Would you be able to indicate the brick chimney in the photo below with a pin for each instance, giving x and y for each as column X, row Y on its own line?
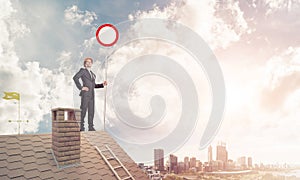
column 66, row 136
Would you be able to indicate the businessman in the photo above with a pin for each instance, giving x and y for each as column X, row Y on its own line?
column 87, row 92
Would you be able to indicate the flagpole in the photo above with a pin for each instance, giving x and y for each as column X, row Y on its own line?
column 16, row 96
column 106, row 59
column 19, row 119
column 105, row 92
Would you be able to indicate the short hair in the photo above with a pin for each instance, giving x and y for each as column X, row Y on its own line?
column 86, row 59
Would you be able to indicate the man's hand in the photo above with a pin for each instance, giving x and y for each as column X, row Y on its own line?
column 104, row 83
column 85, row 89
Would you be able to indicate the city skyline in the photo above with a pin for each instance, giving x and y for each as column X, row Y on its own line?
column 222, row 163
column 221, row 154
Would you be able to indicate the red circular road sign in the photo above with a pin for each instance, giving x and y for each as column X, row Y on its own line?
column 102, row 41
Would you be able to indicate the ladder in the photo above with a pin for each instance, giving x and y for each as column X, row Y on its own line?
column 116, row 168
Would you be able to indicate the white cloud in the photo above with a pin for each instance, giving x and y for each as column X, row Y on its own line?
column 75, row 15
column 40, row 88
column 279, row 5
column 282, row 77
column 218, row 27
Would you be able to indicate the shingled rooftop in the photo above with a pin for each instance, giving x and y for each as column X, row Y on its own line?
column 67, row 153
column 30, row 157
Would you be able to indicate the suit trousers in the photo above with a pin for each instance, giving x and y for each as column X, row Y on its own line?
column 87, row 104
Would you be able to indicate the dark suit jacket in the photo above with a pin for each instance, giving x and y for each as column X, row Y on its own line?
column 87, row 81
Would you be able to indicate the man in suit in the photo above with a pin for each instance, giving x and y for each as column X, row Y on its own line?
column 87, row 92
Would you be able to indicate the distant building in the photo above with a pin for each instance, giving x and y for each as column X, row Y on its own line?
column 261, row 166
column 230, row 165
column 222, row 154
column 249, row 162
column 199, row 165
column 181, row 167
column 214, row 165
column 242, row 162
column 210, row 154
column 141, row 165
column 193, row 162
column 207, row 167
column 173, row 164
column 159, row 159
column 186, row 163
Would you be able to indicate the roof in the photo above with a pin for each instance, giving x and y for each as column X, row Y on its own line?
column 30, row 157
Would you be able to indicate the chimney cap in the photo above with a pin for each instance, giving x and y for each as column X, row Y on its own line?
column 65, row 109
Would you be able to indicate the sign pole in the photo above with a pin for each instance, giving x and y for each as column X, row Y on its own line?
column 19, row 112
column 105, row 91
column 105, row 44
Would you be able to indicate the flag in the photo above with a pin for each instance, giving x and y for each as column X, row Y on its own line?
column 11, row 95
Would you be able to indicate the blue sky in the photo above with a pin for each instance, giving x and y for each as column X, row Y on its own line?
column 51, row 34
column 42, row 44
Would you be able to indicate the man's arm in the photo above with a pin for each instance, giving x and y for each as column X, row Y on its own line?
column 77, row 77
column 101, row 85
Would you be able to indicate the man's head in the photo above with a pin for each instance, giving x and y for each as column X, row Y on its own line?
column 88, row 62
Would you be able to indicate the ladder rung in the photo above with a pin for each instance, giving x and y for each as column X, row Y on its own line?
column 104, row 150
column 110, row 158
column 117, row 167
column 129, row 177
column 114, row 157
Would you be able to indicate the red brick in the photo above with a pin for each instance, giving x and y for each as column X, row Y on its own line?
column 68, row 148
column 67, row 153
column 63, row 139
column 65, row 129
column 66, row 158
column 72, row 134
column 69, row 162
column 65, row 124
column 63, row 144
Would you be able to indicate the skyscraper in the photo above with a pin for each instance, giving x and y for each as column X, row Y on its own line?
column 173, row 164
column 242, row 162
column 193, row 162
column 222, row 154
column 249, row 162
column 186, row 163
column 210, row 154
column 159, row 159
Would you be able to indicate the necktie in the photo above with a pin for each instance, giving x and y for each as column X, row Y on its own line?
column 91, row 74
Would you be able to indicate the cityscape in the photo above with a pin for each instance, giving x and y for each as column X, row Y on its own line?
column 219, row 166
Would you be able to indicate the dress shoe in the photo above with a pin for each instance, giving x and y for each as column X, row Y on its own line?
column 92, row 129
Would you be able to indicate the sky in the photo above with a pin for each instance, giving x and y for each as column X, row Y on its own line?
column 256, row 43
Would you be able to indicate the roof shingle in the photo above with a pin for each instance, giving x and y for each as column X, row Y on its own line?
column 30, row 157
